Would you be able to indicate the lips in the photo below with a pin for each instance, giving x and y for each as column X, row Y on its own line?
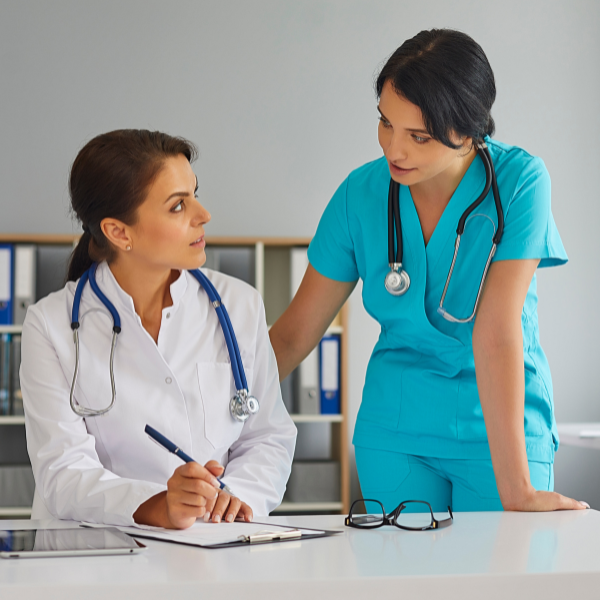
column 198, row 241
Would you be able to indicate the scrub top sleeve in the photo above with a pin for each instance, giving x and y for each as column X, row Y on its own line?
column 331, row 251
column 529, row 227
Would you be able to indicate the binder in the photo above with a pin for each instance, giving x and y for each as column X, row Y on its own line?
column 24, row 281
column 307, row 377
column 52, row 263
column 4, row 373
column 15, row 394
column 239, row 262
column 6, row 291
column 330, row 375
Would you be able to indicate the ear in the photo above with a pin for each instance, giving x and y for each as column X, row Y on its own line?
column 116, row 232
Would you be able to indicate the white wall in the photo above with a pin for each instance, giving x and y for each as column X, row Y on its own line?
column 278, row 96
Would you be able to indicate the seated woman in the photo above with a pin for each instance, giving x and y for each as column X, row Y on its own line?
column 134, row 193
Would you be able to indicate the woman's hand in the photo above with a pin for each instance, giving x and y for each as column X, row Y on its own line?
column 224, row 506
column 189, row 490
column 536, row 501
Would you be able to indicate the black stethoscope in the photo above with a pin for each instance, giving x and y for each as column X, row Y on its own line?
column 397, row 280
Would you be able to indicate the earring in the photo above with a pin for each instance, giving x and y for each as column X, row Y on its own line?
column 128, row 248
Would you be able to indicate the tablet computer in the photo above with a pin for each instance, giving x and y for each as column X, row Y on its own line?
column 77, row 541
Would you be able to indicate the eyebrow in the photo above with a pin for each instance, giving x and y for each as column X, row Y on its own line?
column 185, row 194
column 412, row 130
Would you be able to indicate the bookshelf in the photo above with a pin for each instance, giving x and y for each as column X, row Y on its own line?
column 271, row 277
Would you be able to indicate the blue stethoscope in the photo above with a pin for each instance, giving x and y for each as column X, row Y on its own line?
column 397, row 280
column 241, row 406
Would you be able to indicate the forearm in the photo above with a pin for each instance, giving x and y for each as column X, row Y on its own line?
column 501, row 385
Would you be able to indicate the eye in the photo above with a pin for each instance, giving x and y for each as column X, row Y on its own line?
column 178, row 207
column 385, row 123
column 420, row 140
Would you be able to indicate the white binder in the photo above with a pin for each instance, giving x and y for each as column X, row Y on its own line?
column 25, row 259
column 308, row 401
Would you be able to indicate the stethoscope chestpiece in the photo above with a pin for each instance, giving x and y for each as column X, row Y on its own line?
column 397, row 280
column 242, row 405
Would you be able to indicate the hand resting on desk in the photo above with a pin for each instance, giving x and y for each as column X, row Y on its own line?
column 192, row 490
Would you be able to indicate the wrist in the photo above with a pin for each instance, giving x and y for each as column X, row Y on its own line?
column 516, row 497
column 153, row 512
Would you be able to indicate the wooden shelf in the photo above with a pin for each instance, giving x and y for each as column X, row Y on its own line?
column 11, row 328
column 317, row 418
column 12, row 420
column 7, row 512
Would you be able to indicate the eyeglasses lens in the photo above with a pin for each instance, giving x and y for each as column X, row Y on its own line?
column 366, row 513
column 416, row 514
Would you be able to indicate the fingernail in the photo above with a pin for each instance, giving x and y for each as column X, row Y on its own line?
column 230, row 518
column 207, row 516
column 249, row 518
column 584, row 504
column 217, row 519
column 216, row 483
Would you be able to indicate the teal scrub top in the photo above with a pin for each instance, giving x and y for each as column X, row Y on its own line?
column 420, row 395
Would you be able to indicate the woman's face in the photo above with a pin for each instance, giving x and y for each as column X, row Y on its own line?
column 413, row 155
column 169, row 231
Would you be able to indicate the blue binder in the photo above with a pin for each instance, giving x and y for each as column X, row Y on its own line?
column 6, row 284
column 329, row 355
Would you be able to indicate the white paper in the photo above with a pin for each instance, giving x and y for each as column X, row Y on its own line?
column 207, row 534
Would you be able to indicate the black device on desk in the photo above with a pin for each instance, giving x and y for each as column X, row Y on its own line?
column 78, row 541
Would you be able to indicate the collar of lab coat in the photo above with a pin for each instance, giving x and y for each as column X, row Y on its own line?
column 123, row 301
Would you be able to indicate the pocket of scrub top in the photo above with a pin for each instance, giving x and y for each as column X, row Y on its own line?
column 216, row 389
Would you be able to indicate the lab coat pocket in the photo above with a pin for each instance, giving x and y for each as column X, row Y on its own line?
column 216, row 390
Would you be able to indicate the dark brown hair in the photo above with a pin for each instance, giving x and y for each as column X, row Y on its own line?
column 110, row 178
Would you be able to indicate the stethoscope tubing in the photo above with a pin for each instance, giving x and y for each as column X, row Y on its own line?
column 395, row 251
column 237, row 365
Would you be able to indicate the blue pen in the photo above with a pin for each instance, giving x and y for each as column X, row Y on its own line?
column 167, row 444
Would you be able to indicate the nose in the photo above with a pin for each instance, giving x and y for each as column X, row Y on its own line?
column 396, row 150
column 202, row 216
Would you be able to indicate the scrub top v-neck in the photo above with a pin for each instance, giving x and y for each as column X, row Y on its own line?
column 420, row 395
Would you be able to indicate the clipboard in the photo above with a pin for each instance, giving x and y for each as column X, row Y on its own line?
column 272, row 533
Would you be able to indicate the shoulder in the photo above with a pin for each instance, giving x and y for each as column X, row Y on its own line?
column 515, row 162
column 53, row 308
column 368, row 175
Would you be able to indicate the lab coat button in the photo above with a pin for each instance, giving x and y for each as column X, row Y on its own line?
column 168, row 315
column 168, row 380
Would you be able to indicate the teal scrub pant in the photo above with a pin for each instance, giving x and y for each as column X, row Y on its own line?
column 464, row 485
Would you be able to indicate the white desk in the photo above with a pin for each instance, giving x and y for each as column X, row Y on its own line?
column 570, row 435
column 484, row 556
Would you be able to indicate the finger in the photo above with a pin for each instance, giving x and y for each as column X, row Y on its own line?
column 220, row 507
column 210, row 504
column 233, row 509
column 193, row 470
column 189, row 499
column 197, row 486
column 245, row 513
column 214, row 467
column 566, row 503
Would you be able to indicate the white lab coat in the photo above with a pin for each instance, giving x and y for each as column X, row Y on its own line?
column 100, row 469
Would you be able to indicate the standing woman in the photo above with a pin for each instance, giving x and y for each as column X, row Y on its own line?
column 134, row 192
column 457, row 406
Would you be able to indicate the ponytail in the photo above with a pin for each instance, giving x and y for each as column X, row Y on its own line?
column 80, row 260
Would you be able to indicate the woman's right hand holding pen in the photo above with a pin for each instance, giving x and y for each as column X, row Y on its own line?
column 189, row 490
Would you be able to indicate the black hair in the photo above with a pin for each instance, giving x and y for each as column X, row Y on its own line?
column 447, row 75
column 110, row 177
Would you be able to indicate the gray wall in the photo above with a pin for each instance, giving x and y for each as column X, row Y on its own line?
column 278, row 96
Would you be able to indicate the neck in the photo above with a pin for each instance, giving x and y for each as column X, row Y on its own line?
column 439, row 190
column 148, row 286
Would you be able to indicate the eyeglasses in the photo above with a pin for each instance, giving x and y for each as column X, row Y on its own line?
column 370, row 514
